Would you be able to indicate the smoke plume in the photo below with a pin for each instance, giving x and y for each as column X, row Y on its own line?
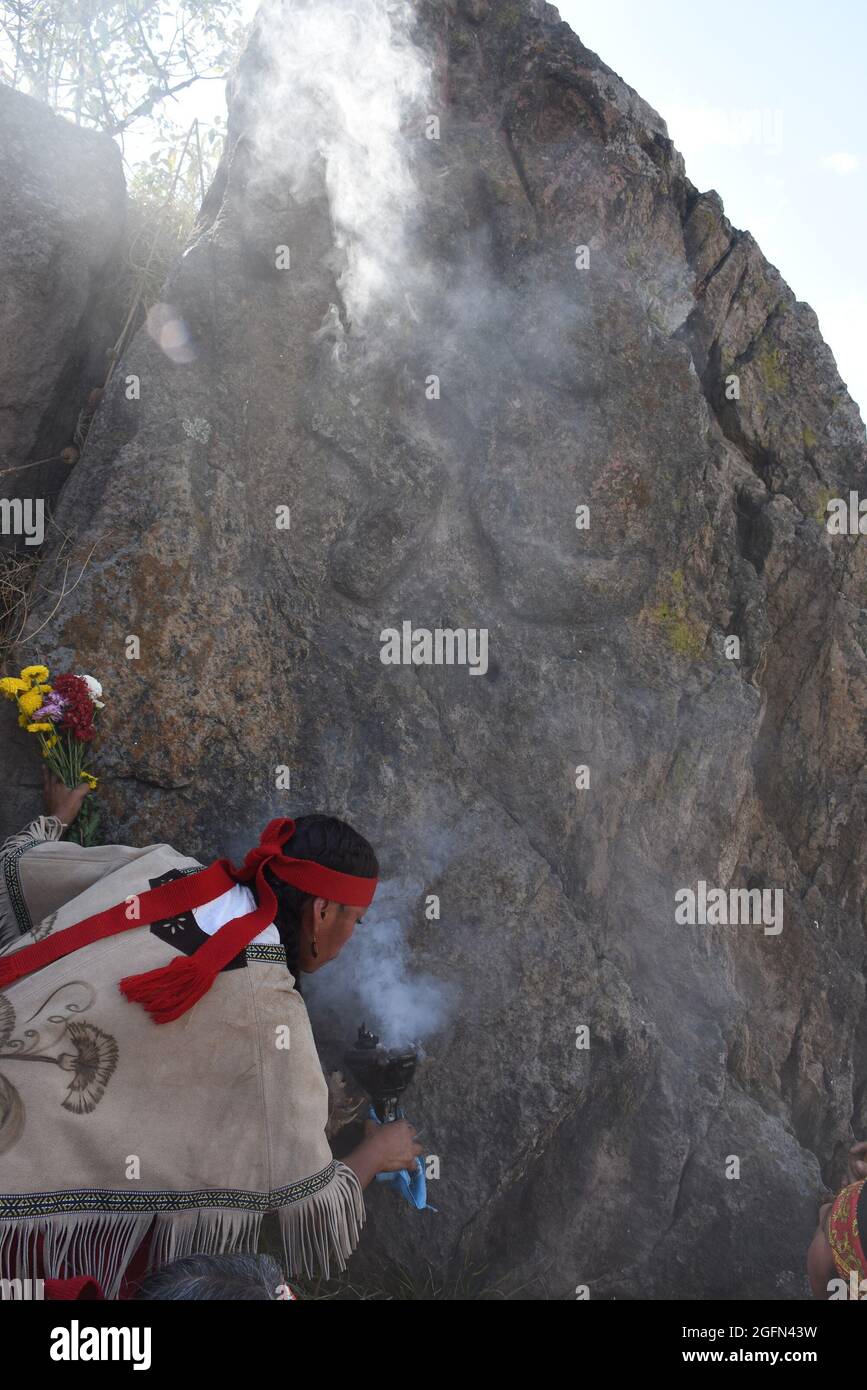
column 346, row 83
column 373, row 979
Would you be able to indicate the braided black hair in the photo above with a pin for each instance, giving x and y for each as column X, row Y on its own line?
column 330, row 842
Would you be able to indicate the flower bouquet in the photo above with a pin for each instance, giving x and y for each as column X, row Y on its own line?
column 61, row 716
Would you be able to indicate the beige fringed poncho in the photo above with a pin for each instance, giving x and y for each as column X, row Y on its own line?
column 114, row 1130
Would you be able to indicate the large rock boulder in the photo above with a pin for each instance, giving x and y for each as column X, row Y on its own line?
column 305, row 381
column 62, row 218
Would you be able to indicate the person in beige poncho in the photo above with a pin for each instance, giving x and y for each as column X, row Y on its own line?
column 160, row 1090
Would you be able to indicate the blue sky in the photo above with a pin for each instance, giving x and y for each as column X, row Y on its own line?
column 767, row 102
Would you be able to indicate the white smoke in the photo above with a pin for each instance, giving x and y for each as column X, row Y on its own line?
column 372, row 980
column 347, row 82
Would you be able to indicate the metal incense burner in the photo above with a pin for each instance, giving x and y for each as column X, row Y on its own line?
column 383, row 1072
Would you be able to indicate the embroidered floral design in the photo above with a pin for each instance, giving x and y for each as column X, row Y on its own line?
column 45, row 1028
column 92, row 1064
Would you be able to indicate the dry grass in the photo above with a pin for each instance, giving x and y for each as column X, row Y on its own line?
column 390, row 1281
column 393, row 1282
column 17, row 576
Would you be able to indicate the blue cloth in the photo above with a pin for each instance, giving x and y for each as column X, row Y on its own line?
column 412, row 1186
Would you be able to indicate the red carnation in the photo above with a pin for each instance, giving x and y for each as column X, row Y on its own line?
column 78, row 716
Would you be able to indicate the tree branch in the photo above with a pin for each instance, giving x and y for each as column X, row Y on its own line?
column 156, row 95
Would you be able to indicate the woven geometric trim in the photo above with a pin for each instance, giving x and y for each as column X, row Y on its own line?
column 104, row 1201
column 13, row 888
column 268, row 950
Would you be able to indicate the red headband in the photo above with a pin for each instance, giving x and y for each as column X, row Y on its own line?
column 168, row 992
column 305, row 874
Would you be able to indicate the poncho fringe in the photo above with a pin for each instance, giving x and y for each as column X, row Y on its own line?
column 323, row 1229
column 318, row 1233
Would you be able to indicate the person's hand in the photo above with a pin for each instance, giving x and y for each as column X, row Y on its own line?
column 392, row 1146
column 858, row 1162
column 385, row 1148
column 58, row 800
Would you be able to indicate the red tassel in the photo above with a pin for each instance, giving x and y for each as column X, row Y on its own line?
column 171, row 990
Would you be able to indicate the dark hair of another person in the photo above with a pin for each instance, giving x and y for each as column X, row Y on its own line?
column 330, row 842
column 226, row 1278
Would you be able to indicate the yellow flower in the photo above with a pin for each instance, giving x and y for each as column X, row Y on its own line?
column 11, row 687
column 91, row 781
column 29, row 702
column 48, row 744
column 34, row 674
column 40, row 728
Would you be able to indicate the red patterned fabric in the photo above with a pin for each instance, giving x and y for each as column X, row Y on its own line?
column 844, row 1236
